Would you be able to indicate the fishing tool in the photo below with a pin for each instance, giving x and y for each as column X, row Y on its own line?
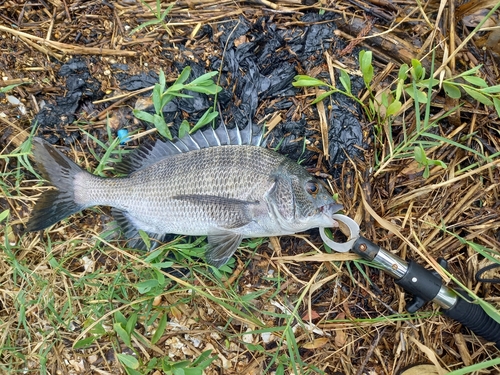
column 424, row 285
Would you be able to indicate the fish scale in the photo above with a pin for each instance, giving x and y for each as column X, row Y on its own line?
column 198, row 185
column 150, row 193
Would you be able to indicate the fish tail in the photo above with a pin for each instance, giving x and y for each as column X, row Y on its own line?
column 60, row 171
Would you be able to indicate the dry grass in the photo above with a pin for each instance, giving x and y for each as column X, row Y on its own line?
column 275, row 309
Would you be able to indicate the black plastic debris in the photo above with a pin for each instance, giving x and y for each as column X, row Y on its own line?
column 263, row 69
column 82, row 89
column 138, row 81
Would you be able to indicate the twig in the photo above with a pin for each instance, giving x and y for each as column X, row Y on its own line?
column 69, row 48
column 370, row 351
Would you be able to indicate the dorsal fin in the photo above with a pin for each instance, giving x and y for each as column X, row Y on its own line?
column 151, row 153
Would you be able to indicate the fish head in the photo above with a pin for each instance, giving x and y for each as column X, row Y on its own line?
column 300, row 201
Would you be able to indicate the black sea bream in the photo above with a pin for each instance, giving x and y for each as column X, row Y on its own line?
column 220, row 183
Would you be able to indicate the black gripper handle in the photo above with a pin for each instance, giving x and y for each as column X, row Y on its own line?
column 476, row 319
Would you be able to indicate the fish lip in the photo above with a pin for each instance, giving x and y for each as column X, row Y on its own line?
column 330, row 209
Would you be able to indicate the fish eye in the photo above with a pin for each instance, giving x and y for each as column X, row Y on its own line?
column 312, row 187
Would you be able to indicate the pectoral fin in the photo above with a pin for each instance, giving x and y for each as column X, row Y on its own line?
column 221, row 246
column 226, row 213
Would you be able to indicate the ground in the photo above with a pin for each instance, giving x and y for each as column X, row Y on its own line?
column 422, row 180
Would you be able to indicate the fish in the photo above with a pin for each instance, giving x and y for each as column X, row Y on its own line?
column 221, row 183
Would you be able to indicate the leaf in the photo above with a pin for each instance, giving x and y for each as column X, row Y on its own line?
column 451, row 90
column 183, row 76
column 157, row 98
column 160, row 124
column 429, row 81
column 306, row 81
column 211, row 89
column 426, row 173
column 144, row 116
column 418, row 72
column 161, row 265
column 10, row 87
column 496, row 102
column 478, row 96
column 491, row 90
column 207, row 117
column 86, row 342
column 120, row 318
column 145, row 24
column 255, row 347
column 470, row 72
column 98, row 330
column 345, row 80
column 403, row 72
column 477, row 81
column 393, row 108
column 453, row 143
column 253, row 295
column 417, row 95
column 365, row 64
column 133, row 372
column 183, row 129
column 153, row 255
column 162, row 324
column 160, row 277
column 144, row 235
column 323, row 96
column 178, row 94
column 123, row 334
column 420, row 156
column 438, row 163
column 371, row 105
column 489, row 309
column 131, row 323
column 166, row 11
column 385, row 99
column 3, row 215
column 128, row 360
column 176, row 87
column 146, row 286
column 399, row 90
column 162, row 80
column 203, row 78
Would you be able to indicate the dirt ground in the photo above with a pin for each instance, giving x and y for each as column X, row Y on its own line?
column 73, row 301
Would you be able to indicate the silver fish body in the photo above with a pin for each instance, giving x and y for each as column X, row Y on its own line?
column 202, row 186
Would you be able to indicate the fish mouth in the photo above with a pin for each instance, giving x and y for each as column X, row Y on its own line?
column 330, row 209
column 327, row 211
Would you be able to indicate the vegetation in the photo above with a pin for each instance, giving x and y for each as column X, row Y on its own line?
column 163, row 95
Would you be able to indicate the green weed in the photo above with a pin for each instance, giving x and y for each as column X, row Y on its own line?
column 162, row 95
column 415, row 83
column 160, row 16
